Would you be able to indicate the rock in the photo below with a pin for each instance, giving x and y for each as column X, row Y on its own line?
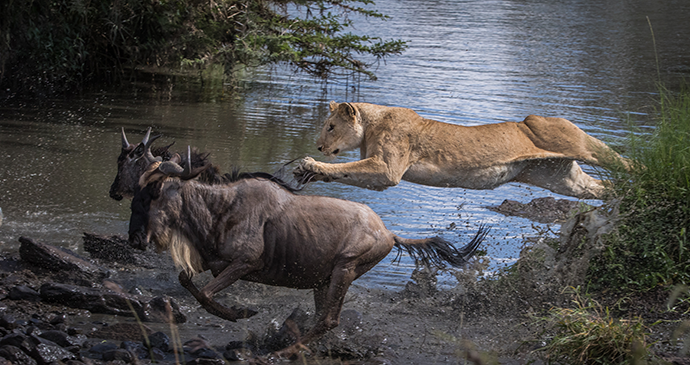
column 8, row 322
column 51, row 353
column 116, row 249
column 58, row 259
column 63, row 339
column 23, row 292
column 542, row 210
column 92, row 299
column 119, row 354
column 160, row 341
column 16, row 355
column 164, row 309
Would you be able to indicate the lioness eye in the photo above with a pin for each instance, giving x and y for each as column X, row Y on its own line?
column 330, row 127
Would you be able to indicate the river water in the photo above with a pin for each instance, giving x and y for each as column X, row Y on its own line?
column 468, row 63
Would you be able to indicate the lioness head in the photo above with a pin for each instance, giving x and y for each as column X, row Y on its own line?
column 342, row 130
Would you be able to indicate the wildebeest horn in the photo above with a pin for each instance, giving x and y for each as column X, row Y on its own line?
column 147, row 148
column 146, row 137
column 125, row 144
column 170, row 168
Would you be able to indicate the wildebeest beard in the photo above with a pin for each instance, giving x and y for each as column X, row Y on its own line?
column 138, row 220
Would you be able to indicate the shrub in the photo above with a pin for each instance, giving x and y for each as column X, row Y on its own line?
column 56, row 45
column 650, row 247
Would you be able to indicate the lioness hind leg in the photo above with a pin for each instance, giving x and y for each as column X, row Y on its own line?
column 562, row 177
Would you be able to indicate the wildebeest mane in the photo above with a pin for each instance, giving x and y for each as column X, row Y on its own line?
column 141, row 203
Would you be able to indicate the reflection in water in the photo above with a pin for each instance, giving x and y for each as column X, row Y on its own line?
column 469, row 62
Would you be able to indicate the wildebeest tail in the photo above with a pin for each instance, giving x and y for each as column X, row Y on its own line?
column 438, row 252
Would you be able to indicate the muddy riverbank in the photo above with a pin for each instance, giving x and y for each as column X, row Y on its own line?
column 483, row 322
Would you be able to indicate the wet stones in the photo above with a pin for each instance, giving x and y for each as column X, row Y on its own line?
column 58, row 259
column 542, row 210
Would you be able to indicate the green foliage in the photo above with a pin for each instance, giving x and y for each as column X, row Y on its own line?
column 588, row 334
column 56, row 45
column 651, row 247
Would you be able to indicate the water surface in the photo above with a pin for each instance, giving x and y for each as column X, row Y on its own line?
column 468, row 63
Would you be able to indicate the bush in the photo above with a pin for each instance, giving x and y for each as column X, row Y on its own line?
column 650, row 247
column 56, row 45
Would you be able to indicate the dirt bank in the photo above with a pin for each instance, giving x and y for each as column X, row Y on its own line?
column 480, row 321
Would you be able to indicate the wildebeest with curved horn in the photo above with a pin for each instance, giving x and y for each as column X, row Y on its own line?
column 257, row 229
column 131, row 165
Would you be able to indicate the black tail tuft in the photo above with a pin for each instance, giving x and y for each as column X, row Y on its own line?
column 438, row 252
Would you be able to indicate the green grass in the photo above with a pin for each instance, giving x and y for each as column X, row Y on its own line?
column 650, row 247
column 588, row 334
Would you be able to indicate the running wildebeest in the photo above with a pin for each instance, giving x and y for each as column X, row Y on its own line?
column 131, row 165
column 256, row 228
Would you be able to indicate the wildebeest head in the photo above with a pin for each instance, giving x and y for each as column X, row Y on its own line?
column 130, row 165
column 148, row 189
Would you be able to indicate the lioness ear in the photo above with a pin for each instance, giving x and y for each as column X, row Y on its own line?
column 333, row 105
column 348, row 109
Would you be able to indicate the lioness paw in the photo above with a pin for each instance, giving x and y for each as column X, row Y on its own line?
column 307, row 170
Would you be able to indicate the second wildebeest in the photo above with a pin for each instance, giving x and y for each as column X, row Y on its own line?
column 256, row 229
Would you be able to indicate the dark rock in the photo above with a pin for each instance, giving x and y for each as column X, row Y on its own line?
column 109, row 249
column 46, row 353
column 58, row 319
column 118, row 354
column 23, row 292
column 160, row 341
column 8, row 322
column 116, row 249
column 94, row 300
column 63, row 339
column 102, row 347
column 164, row 309
column 207, row 354
column 542, row 210
column 59, row 259
column 16, row 355
column 137, row 348
column 18, row 340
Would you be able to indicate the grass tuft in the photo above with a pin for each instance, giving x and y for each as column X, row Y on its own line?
column 588, row 334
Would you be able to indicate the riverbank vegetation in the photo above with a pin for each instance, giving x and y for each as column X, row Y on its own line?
column 646, row 257
column 51, row 46
column 650, row 248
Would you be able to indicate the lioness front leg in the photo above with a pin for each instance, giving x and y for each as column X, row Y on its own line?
column 371, row 173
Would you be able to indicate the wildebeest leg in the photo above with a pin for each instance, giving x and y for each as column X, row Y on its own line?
column 329, row 302
column 205, row 297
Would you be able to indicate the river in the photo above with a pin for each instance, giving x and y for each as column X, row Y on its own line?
column 468, row 63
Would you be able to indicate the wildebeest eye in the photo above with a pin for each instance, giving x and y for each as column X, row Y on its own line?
column 331, row 127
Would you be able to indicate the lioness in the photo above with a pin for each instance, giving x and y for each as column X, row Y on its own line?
column 397, row 143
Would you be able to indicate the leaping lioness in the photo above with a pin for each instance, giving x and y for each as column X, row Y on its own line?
column 397, row 143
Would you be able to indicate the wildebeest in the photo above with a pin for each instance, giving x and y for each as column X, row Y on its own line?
column 256, row 228
column 131, row 165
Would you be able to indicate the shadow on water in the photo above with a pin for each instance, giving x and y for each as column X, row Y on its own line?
column 469, row 62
